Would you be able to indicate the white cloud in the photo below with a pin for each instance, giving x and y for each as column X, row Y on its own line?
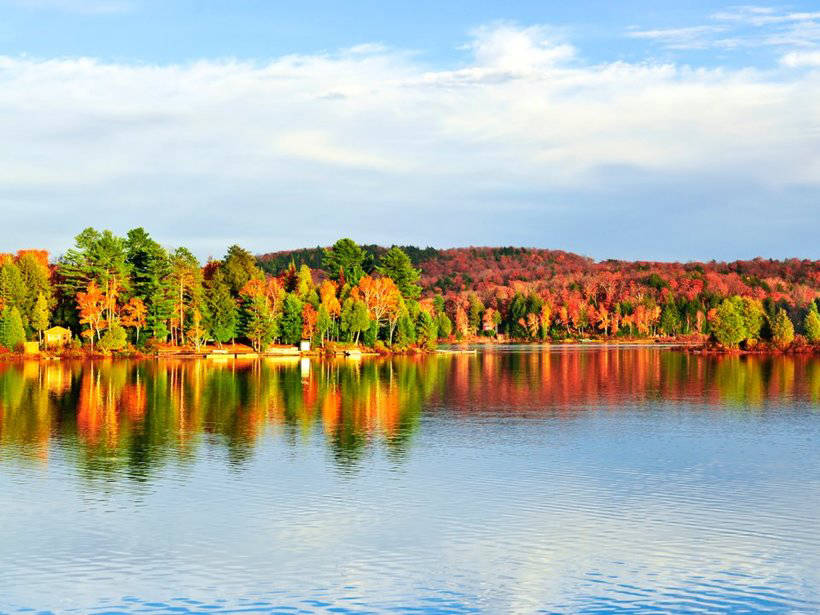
column 741, row 27
column 762, row 16
column 694, row 37
column 288, row 152
column 517, row 50
column 797, row 59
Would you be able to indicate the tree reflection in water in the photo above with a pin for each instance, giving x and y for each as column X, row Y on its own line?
column 134, row 416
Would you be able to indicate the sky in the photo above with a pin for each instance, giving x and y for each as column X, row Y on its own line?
column 637, row 130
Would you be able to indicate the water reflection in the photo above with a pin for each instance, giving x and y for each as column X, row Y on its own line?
column 136, row 415
column 568, row 480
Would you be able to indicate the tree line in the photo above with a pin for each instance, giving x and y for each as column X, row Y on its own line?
column 114, row 292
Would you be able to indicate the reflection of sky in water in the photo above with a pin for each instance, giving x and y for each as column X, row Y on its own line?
column 647, row 481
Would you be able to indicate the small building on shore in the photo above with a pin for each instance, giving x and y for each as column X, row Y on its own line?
column 56, row 337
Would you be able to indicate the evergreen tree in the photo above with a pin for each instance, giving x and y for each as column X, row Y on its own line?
column 427, row 331
column 670, row 319
column 395, row 264
column 445, row 327
column 12, row 286
column 345, row 261
column 517, row 315
column 12, row 333
column 438, row 304
column 405, row 332
column 291, row 322
column 98, row 256
column 239, row 267
column 151, row 280
column 222, row 313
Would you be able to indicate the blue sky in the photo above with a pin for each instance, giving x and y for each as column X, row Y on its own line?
column 630, row 130
column 182, row 30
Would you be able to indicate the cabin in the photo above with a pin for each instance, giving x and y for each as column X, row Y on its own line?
column 304, row 346
column 56, row 337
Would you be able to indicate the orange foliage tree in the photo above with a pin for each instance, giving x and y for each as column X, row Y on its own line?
column 380, row 295
column 133, row 314
column 309, row 318
column 91, row 305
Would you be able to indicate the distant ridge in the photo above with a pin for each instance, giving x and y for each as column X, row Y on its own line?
column 454, row 269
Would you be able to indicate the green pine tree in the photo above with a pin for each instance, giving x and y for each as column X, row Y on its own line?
column 12, row 332
column 291, row 322
column 222, row 314
column 395, row 264
column 345, row 261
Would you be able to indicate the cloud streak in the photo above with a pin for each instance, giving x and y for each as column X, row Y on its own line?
column 740, row 27
column 523, row 143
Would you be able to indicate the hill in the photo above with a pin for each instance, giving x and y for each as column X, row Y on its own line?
column 473, row 268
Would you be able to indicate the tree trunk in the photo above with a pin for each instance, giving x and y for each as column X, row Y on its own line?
column 181, row 314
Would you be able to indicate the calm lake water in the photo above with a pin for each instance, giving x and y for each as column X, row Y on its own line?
column 611, row 480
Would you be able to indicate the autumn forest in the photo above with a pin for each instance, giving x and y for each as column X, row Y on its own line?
column 111, row 294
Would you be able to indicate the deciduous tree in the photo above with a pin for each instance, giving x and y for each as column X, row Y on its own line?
column 782, row 329
column 39, row 316
column 91, row 305
column 133, row 315
column 728, row 326
column 812, row 324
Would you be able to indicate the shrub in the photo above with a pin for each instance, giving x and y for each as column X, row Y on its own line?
column 115, row 338
column 152, row 344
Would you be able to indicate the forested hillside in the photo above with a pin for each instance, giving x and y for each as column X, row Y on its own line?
column 459, row 269
column 115, row 293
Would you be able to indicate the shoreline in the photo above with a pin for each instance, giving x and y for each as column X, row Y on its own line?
column 472, row 346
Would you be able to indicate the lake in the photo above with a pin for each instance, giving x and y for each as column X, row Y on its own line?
column 515, row 480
